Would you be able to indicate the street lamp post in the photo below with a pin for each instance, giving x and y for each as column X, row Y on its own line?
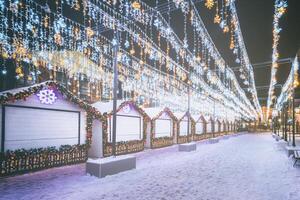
column 188, row 112
column 214, row 127
column 293, row 113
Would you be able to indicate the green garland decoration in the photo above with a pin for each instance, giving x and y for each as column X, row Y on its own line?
column 25, row 160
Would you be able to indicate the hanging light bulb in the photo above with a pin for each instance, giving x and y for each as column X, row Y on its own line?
column 209, row 4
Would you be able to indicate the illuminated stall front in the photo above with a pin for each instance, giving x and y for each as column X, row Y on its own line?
column 161, row 127
column 130, row 130
column 182, row 135
column 200, row 127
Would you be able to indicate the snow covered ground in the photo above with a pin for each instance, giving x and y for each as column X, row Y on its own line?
column 247, row 167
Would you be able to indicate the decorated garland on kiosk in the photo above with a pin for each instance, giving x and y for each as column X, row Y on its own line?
column 92, row 113
column 163, row 141
column 24, row 160
column 185, row 138
column 198, row 137
column 124, row 147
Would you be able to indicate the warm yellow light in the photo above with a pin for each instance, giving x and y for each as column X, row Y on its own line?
column 226, row 29
column 209, row 4
column 132, row 51
column 136, row 5
column 281, row 10
column 217, row 19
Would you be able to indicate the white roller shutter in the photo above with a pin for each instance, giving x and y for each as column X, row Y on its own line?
column 128, row 128
column 34, row 127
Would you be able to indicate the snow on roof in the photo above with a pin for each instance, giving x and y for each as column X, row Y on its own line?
column 153, row 112
column 179, row 115
column 207, row 118
column 106, row 107
column 197, row 117
column 17, row 90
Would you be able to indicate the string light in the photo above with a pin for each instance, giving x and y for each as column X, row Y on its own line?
column 209, row 4
column 280, row 9
column 83, row 54
column 291, row 83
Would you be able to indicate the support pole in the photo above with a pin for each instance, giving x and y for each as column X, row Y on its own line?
column 285, row 117
column 115, row 89
column 293, row 112
column 214, row 127
column 188, row 112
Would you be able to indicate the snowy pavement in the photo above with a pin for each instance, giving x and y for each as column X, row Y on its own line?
column 247, row 167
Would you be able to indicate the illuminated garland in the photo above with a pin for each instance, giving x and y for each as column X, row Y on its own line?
column 161, row 25
column 289, row 86
column 26, row 160
column 202, row 32
column 244, row 56
column 280, row 9
column 185, row 138
column 202, row 135
column 65, row 34
column 162, row 141
column 227, row 10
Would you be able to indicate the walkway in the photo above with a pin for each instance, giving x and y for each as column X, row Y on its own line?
column 247, row 167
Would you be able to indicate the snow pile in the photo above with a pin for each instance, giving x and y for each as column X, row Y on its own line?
column 252, row 167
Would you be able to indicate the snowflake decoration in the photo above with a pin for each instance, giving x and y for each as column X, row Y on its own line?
column 47, row 96
column 126, row 109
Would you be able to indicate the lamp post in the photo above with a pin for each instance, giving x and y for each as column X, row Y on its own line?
column 188, row 111
column 214, row 127
column 115, row 44
column 293, row 113
column 284, row 121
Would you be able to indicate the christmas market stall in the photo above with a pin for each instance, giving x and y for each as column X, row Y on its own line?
column 200, row 127
column 130, row 128
column 44, row 126
column 161, row 128
column 184, row 132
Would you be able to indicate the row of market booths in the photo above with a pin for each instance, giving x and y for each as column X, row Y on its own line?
column 139, row 128
column 45, row 125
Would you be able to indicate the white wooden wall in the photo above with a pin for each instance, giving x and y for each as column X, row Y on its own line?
column 96, row 149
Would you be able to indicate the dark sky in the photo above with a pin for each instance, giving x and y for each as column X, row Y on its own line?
column 256, row 18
